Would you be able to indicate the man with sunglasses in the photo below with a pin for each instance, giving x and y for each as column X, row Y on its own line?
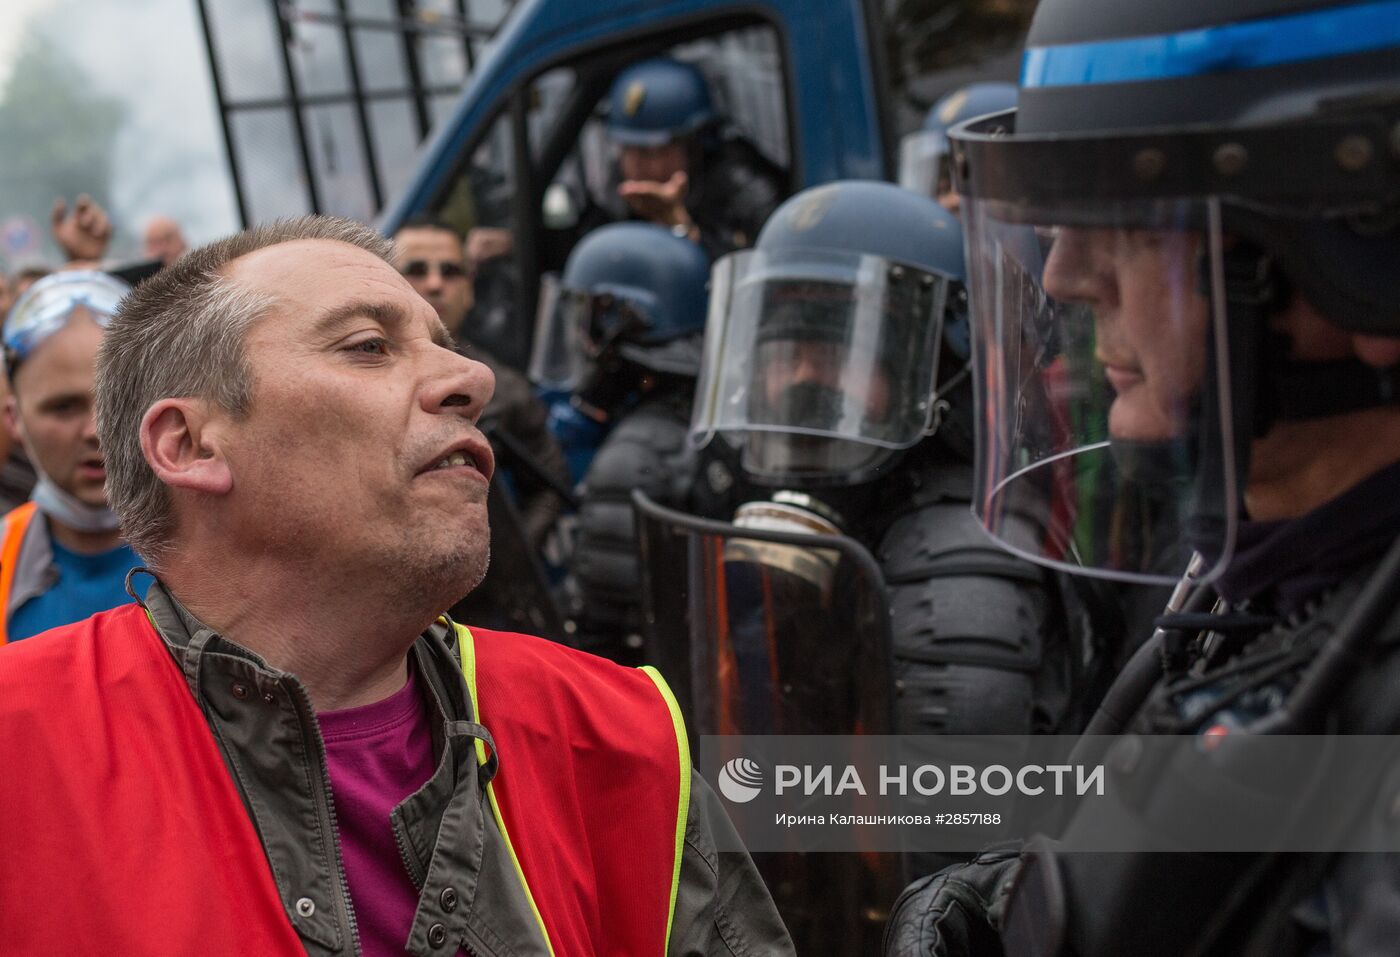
column 62, row 557
column 432, row 259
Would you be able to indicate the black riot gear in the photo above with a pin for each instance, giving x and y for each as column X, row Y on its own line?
column 1203, row 201
column 834, row 404
column 621, row 330
column 835, row 401
column 1251, row 171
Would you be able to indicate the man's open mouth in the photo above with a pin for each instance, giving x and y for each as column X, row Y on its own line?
column 457, row 459
column 469, row 454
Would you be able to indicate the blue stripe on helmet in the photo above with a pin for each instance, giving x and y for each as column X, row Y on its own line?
column 1276, row 41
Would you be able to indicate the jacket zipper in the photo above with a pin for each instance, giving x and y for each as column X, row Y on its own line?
column 410, row 862
column 413, row 872
column 478, row 947
column 326, row 804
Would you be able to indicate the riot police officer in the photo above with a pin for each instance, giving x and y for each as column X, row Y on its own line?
column 622, row 332
column 1208, row 333
column 681, row 167
column 925, row 160
column 845, row 585
column 1120, row 613
column 836, row 399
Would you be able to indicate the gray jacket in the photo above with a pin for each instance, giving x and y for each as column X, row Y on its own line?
column 267, row 732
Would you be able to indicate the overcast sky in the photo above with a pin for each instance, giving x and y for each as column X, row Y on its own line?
column 149, row 55
column 170, row 155
column 13, row 20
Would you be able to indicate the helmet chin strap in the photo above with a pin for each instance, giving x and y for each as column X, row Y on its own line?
column 1290, row 390
column 1317, row 390
column 1251, row 291
column 1267, row 386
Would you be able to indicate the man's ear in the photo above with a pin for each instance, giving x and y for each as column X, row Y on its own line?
column 181, row 443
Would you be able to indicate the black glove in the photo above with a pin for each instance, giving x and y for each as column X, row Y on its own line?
column 955, row 912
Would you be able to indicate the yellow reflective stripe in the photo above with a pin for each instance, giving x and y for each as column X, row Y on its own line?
column 683, row 805
column 467, row 646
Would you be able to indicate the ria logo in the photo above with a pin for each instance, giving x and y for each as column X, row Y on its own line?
column 740, row 780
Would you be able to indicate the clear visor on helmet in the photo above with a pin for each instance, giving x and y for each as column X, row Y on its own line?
column 574, row 327
column 1104, row 430
column 925, row 165
column 824, row 360
column 46, row 306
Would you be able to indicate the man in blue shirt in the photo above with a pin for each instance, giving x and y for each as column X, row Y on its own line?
column 62, row 557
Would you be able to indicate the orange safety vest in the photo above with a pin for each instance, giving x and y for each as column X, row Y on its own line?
column 121, row 831
column 16, row 524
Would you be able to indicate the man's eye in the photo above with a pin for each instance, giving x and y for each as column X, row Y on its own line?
column 377, row 346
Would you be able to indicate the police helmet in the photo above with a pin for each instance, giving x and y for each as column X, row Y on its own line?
column 823, row 347
column 657, row 101
column 924, row 162
column 632, row 290
column 1173, row 177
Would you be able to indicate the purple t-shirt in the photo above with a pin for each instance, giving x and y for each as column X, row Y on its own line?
column 377, row 755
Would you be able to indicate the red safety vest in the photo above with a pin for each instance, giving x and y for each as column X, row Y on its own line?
column 121, row 831
column 16, row 524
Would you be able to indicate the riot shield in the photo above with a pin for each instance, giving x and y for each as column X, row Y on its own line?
column 515, row 594
column 764, row 632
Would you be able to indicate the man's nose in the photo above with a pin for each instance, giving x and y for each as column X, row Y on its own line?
column 1071, row 272
column 808, row 366
column 461, row 386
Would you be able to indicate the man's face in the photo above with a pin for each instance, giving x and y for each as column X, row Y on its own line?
column 51, row 411
column 163, row 240
column 1149, row 321
column 653, row 164
column 790, row 367
column 358, row 400
column 433, row 262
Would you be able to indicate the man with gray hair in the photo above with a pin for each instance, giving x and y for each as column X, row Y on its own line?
column 295, row 751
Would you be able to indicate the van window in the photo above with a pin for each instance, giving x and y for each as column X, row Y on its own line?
column 743, row 68
column 523, row 217
column 481, row 208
